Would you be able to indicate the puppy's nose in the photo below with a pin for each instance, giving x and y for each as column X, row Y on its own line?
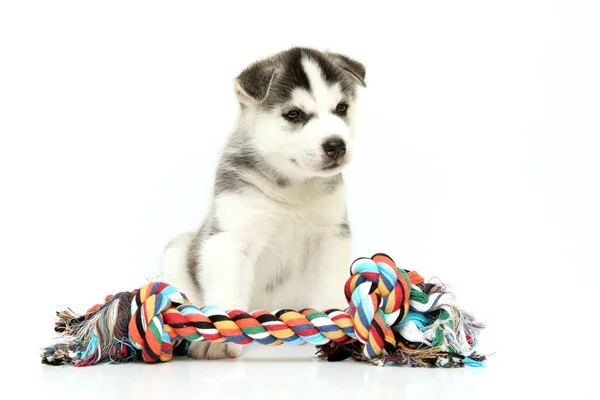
column 334, row 148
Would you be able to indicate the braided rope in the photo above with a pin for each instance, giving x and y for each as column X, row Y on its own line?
column 155, row 324
column 377, row 293
column 152, row 320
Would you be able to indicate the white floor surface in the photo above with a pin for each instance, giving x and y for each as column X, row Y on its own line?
column 293, row 373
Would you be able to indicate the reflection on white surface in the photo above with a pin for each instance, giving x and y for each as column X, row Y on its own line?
column 293, row 373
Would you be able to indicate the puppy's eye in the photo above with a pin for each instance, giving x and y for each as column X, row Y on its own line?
column 292, row 114
column 341, row 109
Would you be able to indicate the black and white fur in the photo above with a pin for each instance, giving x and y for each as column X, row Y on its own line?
column 277, row 233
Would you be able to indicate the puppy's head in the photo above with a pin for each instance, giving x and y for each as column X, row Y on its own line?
column 299, row 108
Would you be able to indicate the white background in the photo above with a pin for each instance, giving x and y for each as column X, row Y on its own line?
column 477, row 163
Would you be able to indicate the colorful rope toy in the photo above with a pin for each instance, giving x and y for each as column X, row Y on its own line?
column 393, row 317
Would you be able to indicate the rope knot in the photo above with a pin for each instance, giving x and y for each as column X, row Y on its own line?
column 147, row 329
column 378, row 295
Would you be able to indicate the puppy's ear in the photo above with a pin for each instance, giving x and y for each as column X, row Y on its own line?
column 355, row 68
column 252, row 85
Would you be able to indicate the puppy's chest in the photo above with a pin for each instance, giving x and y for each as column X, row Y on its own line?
column 293, row 236
column 294, row 239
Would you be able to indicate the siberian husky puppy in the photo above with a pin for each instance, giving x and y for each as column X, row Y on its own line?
column 276, row 234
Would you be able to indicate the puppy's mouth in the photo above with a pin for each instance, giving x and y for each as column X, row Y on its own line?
column 316, row 169
column 332, row 166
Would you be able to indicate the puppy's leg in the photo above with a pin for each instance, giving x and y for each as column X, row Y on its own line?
column 226, row 276
column 226, row 264
column 328, row 271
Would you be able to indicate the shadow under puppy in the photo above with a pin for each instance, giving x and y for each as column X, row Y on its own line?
column 277, row 233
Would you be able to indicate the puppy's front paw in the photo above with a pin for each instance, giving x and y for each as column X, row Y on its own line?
column 214, row 351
